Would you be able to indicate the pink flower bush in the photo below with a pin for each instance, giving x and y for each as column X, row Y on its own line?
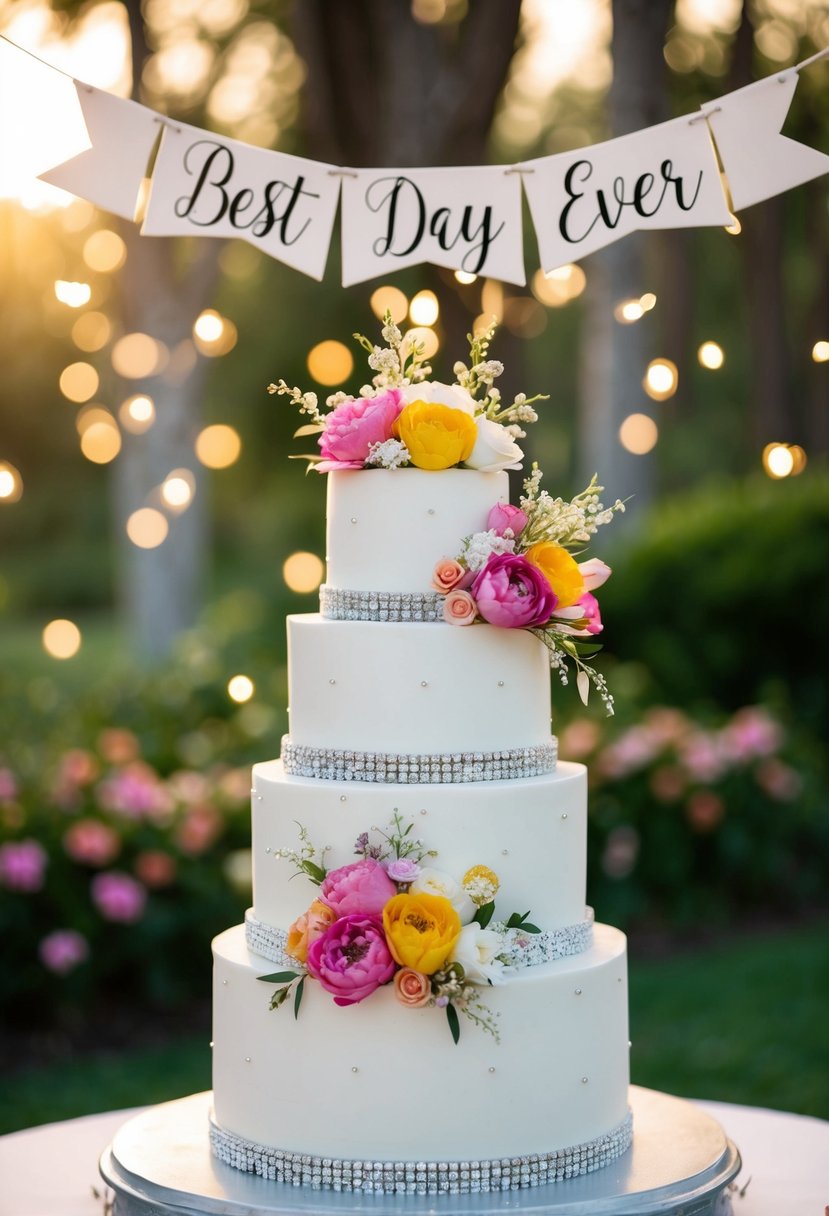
column 91, row 842
column 135, row 792
column 354, row 426
column 504, row 516
column 351, row 959
column 8, row 785
column 63, row 950
column 361, row 887
column 156, row 868
column 118, row 897
column 22, row 865
column 512, row 593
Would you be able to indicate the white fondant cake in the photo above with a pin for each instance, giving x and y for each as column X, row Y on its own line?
column 444, row 734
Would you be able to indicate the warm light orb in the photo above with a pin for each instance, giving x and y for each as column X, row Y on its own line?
column 73, row 295
column 11, row 483
column 798, row 458
column 240, row 689
column 218, row 446
column 178, row 489
column 647, row 301
column 628, row 311
column 101, row 442
column 711, row 355
column 147, row 528
column 91, row 414
column 661, row 379
column 638, row 434
column 330, row 362
column 389, row 299
column 820, row 352
column 465, row 277
column 79, row 382
column 104, row 251
column 137, row 414
column 91, row 331
column 208, row 326
column 138, row 355
column 554, row 288
column 778, row 460
column 303, row 572
column 61, row 639
column 427, row 339
column 424, row 308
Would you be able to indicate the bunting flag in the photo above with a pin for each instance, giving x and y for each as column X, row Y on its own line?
column 123, row 134
column 32, row 94
column 463, row 219
column 758, row 161
column 204, row 184
column 663, row 177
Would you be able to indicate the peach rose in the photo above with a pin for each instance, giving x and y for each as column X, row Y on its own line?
column 412, row 988
column 307, row 928
column 447, row 575
column 459, row 608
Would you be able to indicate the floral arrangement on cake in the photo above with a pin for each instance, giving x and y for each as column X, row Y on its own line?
column 521, row 572
column 403, row 419
column 391, row 918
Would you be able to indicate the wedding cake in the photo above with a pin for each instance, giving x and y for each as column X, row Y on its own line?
column 419, row 1000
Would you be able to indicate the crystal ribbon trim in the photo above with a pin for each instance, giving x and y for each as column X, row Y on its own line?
column 340, row 604
column 523, row 949
column 420, row 1177
column 334, row 764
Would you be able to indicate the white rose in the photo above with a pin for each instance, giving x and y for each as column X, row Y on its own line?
column 434, row 392
column 494, row 449
column 435, row 882
column 476, row 950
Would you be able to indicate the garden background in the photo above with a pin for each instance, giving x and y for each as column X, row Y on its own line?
column 154, row 533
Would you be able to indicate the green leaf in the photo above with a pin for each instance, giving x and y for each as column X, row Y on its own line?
column 529, row 927
column 454, row 1022
column 484, row 914
column 278, row 997
column 519, row 921
column 315, row 873
column 279, row 977
column 298, row 996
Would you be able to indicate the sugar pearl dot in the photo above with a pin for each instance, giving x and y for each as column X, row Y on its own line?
column 584, row 1080
column 500, row 683
column 431, row 511
column 564, row 816
column 268, row 849
column 424, row 683
column 343, row 798
column 354, row 519
column 505, row 852
column 424, row 812
column 210, row 1043
column 224, row 983
column 578, row 992
column 332, row 681
column 491, row 1068
column 247, row 1059
column 354, row 1068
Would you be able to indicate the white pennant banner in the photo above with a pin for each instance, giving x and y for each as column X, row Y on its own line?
column 110, row 174
column 206, row 185
column 663, row 177
column 759, row 162
column 460, row 218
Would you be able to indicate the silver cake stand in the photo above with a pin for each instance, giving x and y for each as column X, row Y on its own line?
column 681, row 1162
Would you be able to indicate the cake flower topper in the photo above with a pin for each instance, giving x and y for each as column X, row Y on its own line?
column 391, row 918
column 403, row 419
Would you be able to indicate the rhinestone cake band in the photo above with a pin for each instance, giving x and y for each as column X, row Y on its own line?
column 339, row 604
column 333, row 764
column 420, row 1177
column 521, row 948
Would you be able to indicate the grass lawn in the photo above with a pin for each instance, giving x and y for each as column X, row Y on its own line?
column 743, row 1022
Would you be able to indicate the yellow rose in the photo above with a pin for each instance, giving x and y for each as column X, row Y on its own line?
column 436, row 436
column 421, row 931
column 560, row 570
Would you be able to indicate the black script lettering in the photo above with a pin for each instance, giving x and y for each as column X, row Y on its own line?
column 438, row 228
column 610, row 213
column 383, row 244
column 269, row 216
column 219, row 156
column 399, row 243
column 667, row 171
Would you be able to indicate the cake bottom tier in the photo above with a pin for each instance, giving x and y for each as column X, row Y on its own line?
column 380, row 1082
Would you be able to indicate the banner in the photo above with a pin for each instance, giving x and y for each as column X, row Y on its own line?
column 663, row 177
column 123, row 135
column 758, row 161
column 206, row 185
column 463, row 219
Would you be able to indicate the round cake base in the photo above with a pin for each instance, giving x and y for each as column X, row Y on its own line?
column 160, row 1164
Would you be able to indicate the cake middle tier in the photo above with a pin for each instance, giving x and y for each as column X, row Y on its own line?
column 416, row 688
column 532, row 833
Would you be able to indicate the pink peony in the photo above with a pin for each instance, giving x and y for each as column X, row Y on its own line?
column 351, row 959
column 594, row 572
column 118, row 897
column 22, row 864
column 403, row 870
column 504, row 516
column 512, row 593
column 751, row 732
column 353, row 426
column 448, row 574
column 459, row 608
column 90, row 842
column 135, row 792
column 361, row 887
column 62, row 950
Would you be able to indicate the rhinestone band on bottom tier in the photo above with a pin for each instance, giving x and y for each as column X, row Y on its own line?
column 420, row 1177
column 335, row 764
column 340, row 604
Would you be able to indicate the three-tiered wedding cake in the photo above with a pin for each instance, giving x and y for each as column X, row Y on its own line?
column 428, row 1040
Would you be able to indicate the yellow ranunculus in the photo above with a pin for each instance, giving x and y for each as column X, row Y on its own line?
column 437, row 436
column 421, row 931
column 560, row 570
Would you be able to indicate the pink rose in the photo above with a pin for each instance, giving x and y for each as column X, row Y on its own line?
column 504, row 516
column 412, row 988
column 22, row 865
column 351, row 959
column 353, row 426
column 361, row 887
column 512, row 593
column 92, row 843
column 118, row 897
column 448, row 574
column 403, row 870
column 459, row 608
column 594, row 572
column 62, row 950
